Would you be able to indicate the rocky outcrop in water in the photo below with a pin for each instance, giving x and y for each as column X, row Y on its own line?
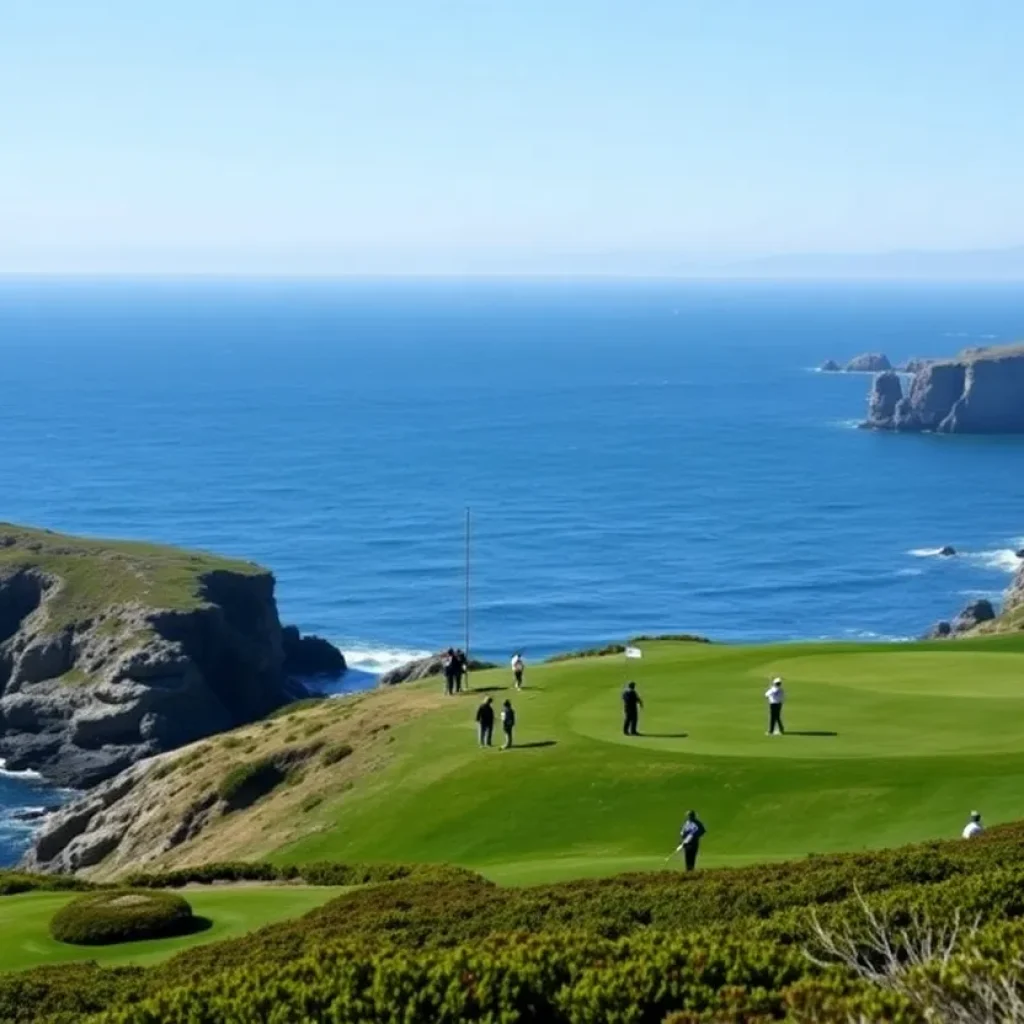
column 110, row 653
column 886, row 395
column 975, row 614
column 424, row 668
column 870, row 362
column 829, row 366
column 979, row 392
column 310, row 656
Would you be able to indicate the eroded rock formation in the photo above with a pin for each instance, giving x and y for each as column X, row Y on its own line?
column 112, row 654
column 979, row 392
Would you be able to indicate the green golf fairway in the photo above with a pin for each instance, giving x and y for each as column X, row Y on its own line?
column 25, row 937
column 887, row 744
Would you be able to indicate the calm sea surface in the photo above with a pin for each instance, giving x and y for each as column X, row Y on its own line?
column 638, row 456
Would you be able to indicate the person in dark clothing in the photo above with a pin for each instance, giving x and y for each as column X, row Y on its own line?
column 485, row 721
column 448, row 666
column 690, row 835
column 508, row 723
column 460, row 669
column 631, row 705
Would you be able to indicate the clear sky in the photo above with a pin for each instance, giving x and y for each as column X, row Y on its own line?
column 422, row 135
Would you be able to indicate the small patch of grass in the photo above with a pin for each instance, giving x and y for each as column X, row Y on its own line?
column 335, row 752
column 295, row 707
column 74, row 677
column 246, row 783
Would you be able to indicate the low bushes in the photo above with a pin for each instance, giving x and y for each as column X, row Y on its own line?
column 332, row 873
column 335, row 752
column 13, row 882
column 121, row 915
column 441, row 944
column 246, row 783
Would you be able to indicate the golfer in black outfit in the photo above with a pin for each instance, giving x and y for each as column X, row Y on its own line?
column 631, row 705
column 485, row 722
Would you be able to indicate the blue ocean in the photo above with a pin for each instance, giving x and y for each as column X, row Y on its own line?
column 637, row 456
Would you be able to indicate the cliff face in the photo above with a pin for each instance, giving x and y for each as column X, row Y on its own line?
column 111, row 653
column 980, row 392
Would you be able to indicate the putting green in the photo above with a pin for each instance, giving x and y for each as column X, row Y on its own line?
column 855, row 706
column 25, row 938
column 887, row 745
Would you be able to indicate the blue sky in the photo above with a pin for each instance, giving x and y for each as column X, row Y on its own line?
column 421, row 136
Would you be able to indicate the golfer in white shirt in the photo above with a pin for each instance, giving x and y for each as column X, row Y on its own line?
column 776, row 696
column 974, row 827
column 518, row 667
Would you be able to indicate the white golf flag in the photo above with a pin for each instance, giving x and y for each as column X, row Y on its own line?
column 634, row 652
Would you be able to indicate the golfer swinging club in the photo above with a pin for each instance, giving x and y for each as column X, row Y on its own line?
column 690, row 835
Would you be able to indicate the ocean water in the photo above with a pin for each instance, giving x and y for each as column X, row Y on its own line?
column 638, row 456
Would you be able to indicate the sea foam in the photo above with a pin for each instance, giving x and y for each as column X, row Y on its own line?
column 28, row 775
column 378, row 660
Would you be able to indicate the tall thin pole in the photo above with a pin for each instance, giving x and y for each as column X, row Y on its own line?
column 468, row 529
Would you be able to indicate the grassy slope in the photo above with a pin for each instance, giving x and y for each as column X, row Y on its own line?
column 25, row 940
column 925, row 733
column 99, row 573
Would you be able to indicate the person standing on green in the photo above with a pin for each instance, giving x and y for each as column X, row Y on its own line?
column 508, row 723
column 485, row 721
column 631, row 705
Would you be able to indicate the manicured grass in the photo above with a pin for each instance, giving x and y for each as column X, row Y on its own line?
column 25, row 939
column 887, row 745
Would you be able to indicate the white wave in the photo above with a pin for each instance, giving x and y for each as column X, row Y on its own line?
column 378, row 660
column 847, row 424
column 867, row 634
column 981, row 595
column 1001, row 560
column 910, row 572
column 28, row 775
column 925, row 552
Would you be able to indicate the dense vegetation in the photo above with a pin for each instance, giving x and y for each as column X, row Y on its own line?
column 794, row 941
column 122, row 915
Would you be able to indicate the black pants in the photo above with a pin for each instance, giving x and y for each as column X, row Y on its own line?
column 458, row 682
column 507, row 730
column 486, row 733
column 775, row 718
column 690, row 855
column 449, row 683
column 519, row 679
column 631, row 722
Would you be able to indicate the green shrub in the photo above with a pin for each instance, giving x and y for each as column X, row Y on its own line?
column 204, row 874
column 14, row 882
column 335, row 752
column 590, row 652
column 434, row 943
column 246, row 783
column 121, row 915
column 680, row 638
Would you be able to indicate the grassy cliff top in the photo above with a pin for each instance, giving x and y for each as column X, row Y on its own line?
column 99, row 573
column 987, row 352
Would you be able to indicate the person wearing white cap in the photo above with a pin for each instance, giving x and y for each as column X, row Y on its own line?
column 974, row 827
column 776, row 697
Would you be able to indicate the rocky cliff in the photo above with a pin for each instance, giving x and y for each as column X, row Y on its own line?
column 979, row 392
column 112, row 652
